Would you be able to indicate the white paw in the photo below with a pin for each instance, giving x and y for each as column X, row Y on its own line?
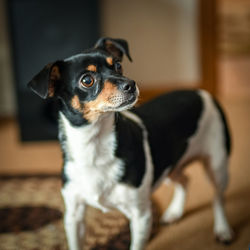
column 224, row 236
column 171, row 216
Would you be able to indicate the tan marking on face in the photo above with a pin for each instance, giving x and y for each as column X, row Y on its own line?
column 109, row 61
column 75, row 103
column 92, row 67
column 93, row 109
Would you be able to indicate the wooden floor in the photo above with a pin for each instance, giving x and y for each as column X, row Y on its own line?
column 17, row 158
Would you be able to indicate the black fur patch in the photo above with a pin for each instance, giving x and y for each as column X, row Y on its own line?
column 170, row 120
column 130, row 149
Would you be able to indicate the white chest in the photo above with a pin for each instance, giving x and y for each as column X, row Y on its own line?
column 92, row 167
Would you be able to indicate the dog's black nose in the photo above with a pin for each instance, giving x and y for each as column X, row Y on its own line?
column 128, row 87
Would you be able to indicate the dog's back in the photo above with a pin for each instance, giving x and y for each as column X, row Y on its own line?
column 176, row 117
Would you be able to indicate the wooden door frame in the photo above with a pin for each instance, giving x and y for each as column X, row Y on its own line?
column 208, row 45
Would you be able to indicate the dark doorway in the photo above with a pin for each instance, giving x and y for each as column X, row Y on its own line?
column 44, row 31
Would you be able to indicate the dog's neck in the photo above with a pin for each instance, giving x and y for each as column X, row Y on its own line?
column 87, row 141
column 103, row 125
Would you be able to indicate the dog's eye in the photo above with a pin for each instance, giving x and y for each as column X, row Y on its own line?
column 118, row 67
column 87, row 81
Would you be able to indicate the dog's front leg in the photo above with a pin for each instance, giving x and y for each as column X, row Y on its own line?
column 74, row 221
column 140, row 227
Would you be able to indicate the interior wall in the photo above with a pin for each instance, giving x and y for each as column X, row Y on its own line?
column 7, row 103
column 163, row 39
column 234, row 48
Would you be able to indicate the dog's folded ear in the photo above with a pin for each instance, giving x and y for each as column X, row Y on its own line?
column 116, row 47
column 44, row 83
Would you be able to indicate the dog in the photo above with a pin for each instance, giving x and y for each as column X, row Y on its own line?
column 116, row 154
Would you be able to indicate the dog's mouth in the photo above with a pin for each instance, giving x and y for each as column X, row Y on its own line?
column 124, row 101
column 130, row 101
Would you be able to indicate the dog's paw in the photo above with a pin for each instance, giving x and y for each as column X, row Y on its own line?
column 224, row 236
column 171, row 216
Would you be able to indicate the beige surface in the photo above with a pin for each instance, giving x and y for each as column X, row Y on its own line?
column 26, row 158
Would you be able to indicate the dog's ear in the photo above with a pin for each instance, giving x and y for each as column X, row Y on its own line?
column 116, row 47
column 44, row 83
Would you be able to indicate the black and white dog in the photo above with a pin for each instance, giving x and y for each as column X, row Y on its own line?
column 115, row 158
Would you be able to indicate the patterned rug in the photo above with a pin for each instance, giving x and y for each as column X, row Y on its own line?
column 31, row 212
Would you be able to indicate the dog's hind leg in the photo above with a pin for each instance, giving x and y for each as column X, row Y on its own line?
column 176, row 208
column 217, row 171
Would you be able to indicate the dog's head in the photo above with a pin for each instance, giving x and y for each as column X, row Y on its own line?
column 90, row 83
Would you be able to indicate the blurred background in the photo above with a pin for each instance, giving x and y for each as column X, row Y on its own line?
column 174, row 44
